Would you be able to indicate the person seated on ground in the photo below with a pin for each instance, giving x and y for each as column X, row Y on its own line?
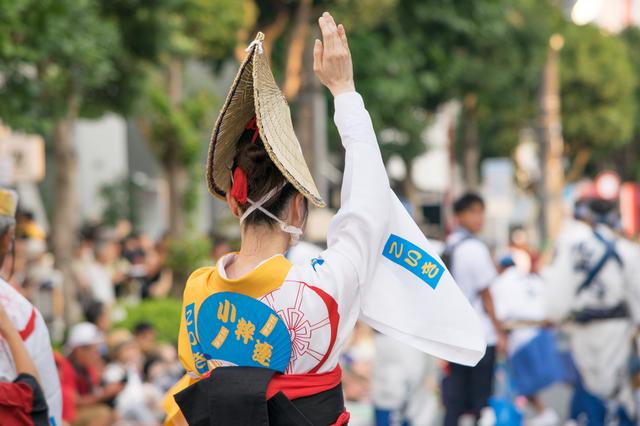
column 137, row 402
column 91, row 396
column 145, row 334
column 163, row 369
column 97, row 313
column 22, row 401
column 68, row 387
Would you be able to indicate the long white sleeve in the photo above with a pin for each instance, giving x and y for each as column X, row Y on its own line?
column 357, row 231
column 379, row 265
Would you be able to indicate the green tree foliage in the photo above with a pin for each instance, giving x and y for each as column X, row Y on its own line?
column 598, row 88
column 163, row 314
column 422, row 54
column 56, row 59
column 49, row 49
column 175, row 113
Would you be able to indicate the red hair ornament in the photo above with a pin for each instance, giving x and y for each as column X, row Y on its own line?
column 239, row 187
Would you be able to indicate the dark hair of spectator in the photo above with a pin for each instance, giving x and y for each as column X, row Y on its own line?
column 467, row 201
column 142, row 327
column 94, row 311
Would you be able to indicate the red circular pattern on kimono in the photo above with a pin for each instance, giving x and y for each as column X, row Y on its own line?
column 311, row 317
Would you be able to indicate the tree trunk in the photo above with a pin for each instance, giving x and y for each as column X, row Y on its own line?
column 311, row 121
column 271, row 33
column 175, row 172
column 580, row 162
column 408, row 187
column 176, row 177
column 64, row 236
column 470, row 144
column 553, row 146
column 295, row 52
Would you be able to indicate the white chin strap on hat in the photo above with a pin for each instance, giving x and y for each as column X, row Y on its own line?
column 293, row 231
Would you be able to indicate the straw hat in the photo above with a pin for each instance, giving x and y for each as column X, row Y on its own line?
column 255, row 92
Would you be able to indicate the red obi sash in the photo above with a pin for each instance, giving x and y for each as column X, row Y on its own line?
column 301, row 385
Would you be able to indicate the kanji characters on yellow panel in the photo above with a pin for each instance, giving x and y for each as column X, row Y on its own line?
column 245, row 330
column 262, row 353
column 224, row 309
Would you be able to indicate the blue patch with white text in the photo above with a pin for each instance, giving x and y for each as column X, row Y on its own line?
column 414, row 259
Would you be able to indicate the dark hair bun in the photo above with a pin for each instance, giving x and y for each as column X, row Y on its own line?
column 262, row 177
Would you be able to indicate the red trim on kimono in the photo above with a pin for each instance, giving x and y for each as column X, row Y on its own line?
column 31, row 325
column 301, row 385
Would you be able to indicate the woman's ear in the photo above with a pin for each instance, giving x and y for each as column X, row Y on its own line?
column 233, row 205
column 298, row 210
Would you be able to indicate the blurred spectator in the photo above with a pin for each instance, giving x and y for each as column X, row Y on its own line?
column 467, row 389
column 91, row 397
column 219, row 247
column 593, row 284
column 99, row 276
column 25, row 318
column 136, row 402
column 118, row 267
column 145, row 335
column 534, row 362
column 97, row 313
column 163, row 370
column 22, row 401
column 27, row 227
column 43, row 286
column 158, row 278
column 134, row 253
column 68, row 386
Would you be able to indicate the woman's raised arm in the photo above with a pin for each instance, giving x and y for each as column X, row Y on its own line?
column 357, row 232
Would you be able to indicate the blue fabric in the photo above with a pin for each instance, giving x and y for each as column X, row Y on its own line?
column 609, row 253
column 389, row 418
column 506, row 412
column 587, row 407
column 536, row 365
column 413, row 259
column 241, row 330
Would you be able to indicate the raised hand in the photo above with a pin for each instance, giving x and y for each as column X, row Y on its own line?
column 332, row 58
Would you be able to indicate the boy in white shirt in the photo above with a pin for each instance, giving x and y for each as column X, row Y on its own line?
column 467, row 389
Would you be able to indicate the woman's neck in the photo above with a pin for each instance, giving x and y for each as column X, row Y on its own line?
column 258, row 244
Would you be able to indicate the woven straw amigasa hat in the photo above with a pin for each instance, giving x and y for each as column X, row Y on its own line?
column 255, row 92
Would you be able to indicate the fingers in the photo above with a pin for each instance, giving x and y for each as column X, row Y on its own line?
column 329, row 32
column 343, row 36
column 317, row 56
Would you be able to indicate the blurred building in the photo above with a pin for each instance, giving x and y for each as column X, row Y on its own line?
column 613, row 15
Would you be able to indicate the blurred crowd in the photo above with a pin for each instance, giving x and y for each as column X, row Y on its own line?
column 108, row 375
column 112, row 375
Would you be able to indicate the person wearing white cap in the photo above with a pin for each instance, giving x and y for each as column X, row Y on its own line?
column 91, row 398
column 26, row 318
column 260, row 336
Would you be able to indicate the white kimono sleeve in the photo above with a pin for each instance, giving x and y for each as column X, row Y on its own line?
column 405, row 290
column 38, row 345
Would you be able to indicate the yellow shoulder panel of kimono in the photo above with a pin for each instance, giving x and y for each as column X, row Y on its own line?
column 207, row 281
